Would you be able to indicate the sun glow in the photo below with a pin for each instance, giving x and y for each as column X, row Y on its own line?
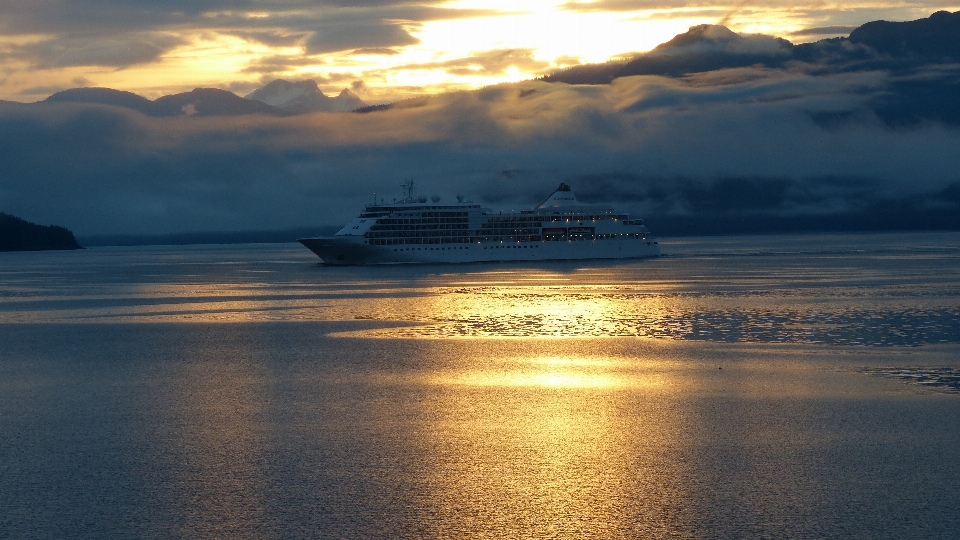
column 208, row 60
column 551, row 32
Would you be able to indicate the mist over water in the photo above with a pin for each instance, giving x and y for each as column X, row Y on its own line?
column 789, row 386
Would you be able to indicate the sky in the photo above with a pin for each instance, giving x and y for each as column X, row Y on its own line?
column 852, row 136
column 384, row 50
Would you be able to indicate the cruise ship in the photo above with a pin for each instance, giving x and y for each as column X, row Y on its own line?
column 413, row 230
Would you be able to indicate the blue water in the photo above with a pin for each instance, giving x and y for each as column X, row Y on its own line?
column 781, row 387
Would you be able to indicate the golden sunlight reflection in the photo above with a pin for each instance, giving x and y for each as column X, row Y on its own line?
column 531, row 311
column 550, row 372
column 518, row 303
column 218, row 412
column 532, row 445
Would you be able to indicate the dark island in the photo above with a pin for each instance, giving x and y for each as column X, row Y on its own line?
column 20, row 235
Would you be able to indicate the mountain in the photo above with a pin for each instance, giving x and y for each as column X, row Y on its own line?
column 20, row 235
column 875, row 45
column 707, row 38
column 211, row 102
column 198, row 102
column 279, row 98
column 348, row 101
column 705, row 47
column 304, row 97
column 936, row 37
column 708, row 47
column 103, row 96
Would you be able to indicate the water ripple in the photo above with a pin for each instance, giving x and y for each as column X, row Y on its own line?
column 945, row 379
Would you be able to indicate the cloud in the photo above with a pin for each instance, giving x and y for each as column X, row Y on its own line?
column 115, row 33
column 825, row 31
column 747, row 86
column 377, row 51
column 714, row 147
column 272, row 38
column 342, row 35
column 107, row 16
column 92, row 50
column 921, row 95
column 905, row 9
column 620, row 5
column 485, row 62
column 78, row 82
column 280, row 63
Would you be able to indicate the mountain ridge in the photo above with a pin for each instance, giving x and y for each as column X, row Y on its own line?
column 202, row 102
column 873, row 45
column 197, row 102
column 936, row 37
column 304, row 97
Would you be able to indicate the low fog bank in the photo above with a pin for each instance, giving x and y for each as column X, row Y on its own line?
column 748, row 149
column 207, row 237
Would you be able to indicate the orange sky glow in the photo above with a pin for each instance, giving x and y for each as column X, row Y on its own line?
column 402, row 51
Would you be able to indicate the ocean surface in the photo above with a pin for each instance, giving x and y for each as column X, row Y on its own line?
column 737, row 387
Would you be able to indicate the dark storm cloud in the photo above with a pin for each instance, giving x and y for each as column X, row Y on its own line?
column 729, row 147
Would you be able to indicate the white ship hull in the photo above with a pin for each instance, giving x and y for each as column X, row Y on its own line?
column 412, row 230
column 339, row 250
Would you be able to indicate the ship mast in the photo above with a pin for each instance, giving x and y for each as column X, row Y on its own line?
column 408, row 190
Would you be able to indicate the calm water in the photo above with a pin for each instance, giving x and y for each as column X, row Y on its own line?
column 779, row 387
